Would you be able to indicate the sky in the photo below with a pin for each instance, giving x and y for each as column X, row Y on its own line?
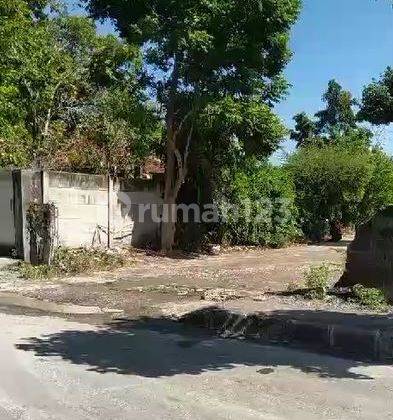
column 347, row 40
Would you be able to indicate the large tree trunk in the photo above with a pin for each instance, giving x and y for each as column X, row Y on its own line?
column 175, row 175
column 168, row 219
column 176, row 164
column 168, row 226
column 336, row 230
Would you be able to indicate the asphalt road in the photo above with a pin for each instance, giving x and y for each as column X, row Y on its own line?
column 51, row 368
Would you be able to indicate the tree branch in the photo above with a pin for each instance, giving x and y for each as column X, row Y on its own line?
column 47, row 122
column 182, row 163
column 182, row 122
column 179, row 162
column 187, row 152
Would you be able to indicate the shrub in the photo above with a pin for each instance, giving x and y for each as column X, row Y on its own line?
column 14, row 142
column 369, row 296
column 316, row 280
column 36, row 272
column 257, row 206
column 339, row 183
column 69, row 261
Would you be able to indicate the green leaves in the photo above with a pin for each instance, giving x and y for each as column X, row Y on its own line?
column 253, row 123
column 57, row 73
column 377, row 102
column 305, row 130
column 343, row 182
column 216, row 66
column 125, row 130
column 257, row 203
column 338, row 116
column 37, row 70
column 216, row 42
column 336, row 124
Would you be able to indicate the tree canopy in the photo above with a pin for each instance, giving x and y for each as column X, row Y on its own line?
column 205, row 43
column 305, row 130
column 221, row 58
column 343, row 183
column 337, row 122
column 377, row 101
column 338, row 117
column 56, row 76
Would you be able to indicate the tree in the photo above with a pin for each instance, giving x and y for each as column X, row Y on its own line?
column 305, row 130
column 338, row 117
column 206, row 52
column 379, row 191
column 340, row 183
column 58, row 77
column 35, row 71
column 334, row 124
column 377, row 101
column 14, row 16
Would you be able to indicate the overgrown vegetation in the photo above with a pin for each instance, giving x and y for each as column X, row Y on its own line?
column 371, row 297
column 232, row 79
column 339, row 184
column 257, row 206
column 70, row 99
column 340, row 178
column 316, row 283
column 169, row 83
column 316, row 280
column 68, row 262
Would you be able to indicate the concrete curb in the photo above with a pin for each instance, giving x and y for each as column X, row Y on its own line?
column 356, row 342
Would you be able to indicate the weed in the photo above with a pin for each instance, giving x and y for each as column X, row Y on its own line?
column 35, row 272
column 316, row 281
column 369, row 296
column 69, row 261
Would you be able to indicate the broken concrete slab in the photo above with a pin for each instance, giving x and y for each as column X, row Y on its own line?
column 370, row 255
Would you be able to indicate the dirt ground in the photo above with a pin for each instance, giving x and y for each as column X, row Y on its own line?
column 158, row 284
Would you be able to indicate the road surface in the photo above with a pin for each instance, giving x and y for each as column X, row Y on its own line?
column 51, row 368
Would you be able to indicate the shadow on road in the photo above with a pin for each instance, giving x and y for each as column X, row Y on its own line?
column 158, row 348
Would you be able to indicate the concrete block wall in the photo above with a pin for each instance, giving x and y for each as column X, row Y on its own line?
column 30, row 191
column 91, row 205
column 88, row 207
column 132, row 221
column 82, row 206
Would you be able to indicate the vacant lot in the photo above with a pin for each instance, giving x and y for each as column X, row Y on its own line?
column 156, row 282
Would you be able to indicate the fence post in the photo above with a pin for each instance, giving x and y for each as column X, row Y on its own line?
column 110, row 211
column 45, row 187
